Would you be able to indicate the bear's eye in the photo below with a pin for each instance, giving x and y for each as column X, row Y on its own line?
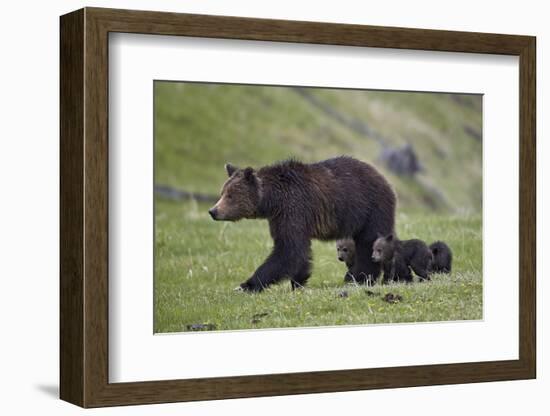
column 229, row 196
column 345, row 250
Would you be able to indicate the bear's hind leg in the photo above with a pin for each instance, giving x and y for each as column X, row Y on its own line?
column 402, row 271
column 365, row 270
column 421, row 267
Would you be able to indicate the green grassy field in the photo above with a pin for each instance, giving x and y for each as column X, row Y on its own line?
column 199, row 262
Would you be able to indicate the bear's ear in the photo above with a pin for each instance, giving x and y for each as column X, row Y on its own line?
column 249, row 175
column 230, row 169
column 389, row 237
column 380, row 235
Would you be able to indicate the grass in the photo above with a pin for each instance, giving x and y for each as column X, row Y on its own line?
column 198, row 263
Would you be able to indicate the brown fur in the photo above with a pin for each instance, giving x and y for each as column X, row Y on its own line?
column 336, row 198
column 345, row 250
column 239, row 195
column 398, row 257
column 443, row 257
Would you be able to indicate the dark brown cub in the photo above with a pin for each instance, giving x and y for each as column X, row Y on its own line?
column 345, row 250
column 398, row 257
column 443, row 257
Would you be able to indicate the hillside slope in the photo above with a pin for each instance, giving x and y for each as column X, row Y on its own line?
column 199, row 127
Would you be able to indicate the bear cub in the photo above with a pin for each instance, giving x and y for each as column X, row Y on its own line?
column 345, row 249
column 442, row 257
column 398, row 257
column 441, row 261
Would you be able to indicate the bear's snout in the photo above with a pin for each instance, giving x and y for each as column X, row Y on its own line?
column 213, row 213
column 340, row 258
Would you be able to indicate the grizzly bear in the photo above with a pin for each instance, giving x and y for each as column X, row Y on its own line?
column 336, row 198
column 399, row 256
column 345, row 249
column 443, row 257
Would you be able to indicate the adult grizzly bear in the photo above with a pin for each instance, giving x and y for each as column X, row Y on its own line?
column 328, row 200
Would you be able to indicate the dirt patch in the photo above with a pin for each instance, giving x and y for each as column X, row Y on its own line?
column 257, row 317
column 391, row 298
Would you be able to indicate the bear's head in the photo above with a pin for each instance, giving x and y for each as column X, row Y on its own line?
column 240, row 195
column 383, row 248
column 345, row 249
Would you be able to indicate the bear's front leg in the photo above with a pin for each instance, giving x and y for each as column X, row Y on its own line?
column 269, row 272
column 287, row 260
column 348, row 277
column 389, row 271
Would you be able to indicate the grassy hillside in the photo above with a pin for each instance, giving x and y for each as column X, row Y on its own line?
column 199, row 127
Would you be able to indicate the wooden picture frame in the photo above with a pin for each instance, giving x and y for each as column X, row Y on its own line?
column 84, row 207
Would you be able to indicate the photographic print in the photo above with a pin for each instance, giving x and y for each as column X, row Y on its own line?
column 292, row 207
column 324, row 187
